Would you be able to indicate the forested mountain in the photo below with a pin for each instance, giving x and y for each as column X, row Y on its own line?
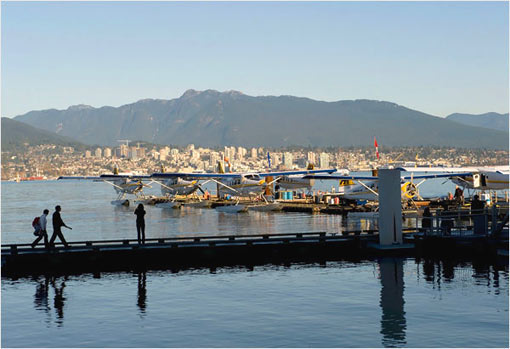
column 16, row 134
column 493, row 121
column 212, row 118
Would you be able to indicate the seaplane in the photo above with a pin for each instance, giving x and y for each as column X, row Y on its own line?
column 123, row 184
column 353, row 187
column 296, row 182
column 477, row 178
column 366, row 187
column 252, row 184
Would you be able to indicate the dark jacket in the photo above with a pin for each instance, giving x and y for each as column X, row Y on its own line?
column 140, row 215
column 57, row 220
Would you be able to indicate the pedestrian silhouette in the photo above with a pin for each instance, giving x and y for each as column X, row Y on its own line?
column 58, row 223
column 42, row 230
column 140, row 223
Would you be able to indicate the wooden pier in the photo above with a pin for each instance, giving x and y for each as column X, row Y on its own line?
column 214, row 251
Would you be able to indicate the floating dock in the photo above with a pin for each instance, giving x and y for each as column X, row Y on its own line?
column 213, row 251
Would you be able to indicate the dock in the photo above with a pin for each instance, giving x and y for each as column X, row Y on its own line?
column 224, row 250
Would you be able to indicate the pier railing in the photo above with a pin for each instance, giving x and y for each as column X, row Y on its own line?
column 212, row 240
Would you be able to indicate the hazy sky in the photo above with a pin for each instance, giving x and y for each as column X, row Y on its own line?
column 438, row 58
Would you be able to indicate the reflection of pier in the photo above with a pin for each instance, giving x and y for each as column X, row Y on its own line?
column 393, row 321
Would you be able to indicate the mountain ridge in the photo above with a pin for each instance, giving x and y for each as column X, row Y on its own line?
column 213, row 118
column 492, row 120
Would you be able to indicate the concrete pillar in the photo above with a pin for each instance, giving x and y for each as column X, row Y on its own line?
column 390, row 207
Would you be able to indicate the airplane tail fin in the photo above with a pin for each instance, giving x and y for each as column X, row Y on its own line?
column 220, row 167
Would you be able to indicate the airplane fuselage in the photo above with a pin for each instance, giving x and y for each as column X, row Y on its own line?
column 296, row 182
column 179, row 186
column 485, row 180
column 250, row 184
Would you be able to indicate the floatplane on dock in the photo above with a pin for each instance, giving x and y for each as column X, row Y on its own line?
column 251, row 184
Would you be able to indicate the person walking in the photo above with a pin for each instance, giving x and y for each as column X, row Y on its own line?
column 42, row 230
column 140, row 223
column 58, row 223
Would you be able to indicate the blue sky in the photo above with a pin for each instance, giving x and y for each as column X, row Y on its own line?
column 438, row 58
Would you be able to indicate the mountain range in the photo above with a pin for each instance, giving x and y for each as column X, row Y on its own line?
column 212, row 118
column 16, row 134
column 493, row 121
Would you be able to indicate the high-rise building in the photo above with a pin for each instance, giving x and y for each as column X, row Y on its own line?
column 310, row 157
column 107, row 153
column 287, row 160
column 324, row 160
column 190, row 147
column 254, row 154
column 98, row 153
column 124, row 151
column 88, row 154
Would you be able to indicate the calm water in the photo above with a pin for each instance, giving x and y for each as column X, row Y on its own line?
column 392, row 302
column 387, row 302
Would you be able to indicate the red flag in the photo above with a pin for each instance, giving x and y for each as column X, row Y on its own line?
column 376, row 148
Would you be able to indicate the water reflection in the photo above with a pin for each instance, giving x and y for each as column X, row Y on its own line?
column 393, row 321
column 393, row 316
column 59, row 299
column 41, row 296
column 142, row 292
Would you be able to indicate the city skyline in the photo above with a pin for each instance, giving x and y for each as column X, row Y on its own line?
column 439, row 58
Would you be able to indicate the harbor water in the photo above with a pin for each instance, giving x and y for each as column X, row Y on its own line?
column 356, row 303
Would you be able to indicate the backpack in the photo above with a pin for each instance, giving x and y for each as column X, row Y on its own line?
column 35, row 222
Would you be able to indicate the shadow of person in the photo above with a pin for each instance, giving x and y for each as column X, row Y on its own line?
column 59, row 300
column 41, row 295
column 142, row 292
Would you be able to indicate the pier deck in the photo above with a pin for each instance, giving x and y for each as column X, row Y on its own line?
column 212, row 251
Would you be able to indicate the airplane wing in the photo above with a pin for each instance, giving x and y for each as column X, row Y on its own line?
column 194, row 175
column 501, row 169
column 443, row 175
column 289, row 173
column 373, row 178
column 79, row 177
column 128, row 176
column 324, row 177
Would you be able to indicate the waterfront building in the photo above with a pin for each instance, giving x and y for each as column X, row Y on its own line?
column 124, row 151
column 310, row 157
column 287, row 160
column 324, row 160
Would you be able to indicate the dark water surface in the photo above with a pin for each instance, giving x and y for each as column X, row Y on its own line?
column 387, row 302
column 373, row 303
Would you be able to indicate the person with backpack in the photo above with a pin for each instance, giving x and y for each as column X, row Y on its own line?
column 39, row 224
column 58, row 223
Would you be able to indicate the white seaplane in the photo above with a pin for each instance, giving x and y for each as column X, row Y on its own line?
column 366, row 187
column 478, row 178
column 252, row 184
column 123, row 184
